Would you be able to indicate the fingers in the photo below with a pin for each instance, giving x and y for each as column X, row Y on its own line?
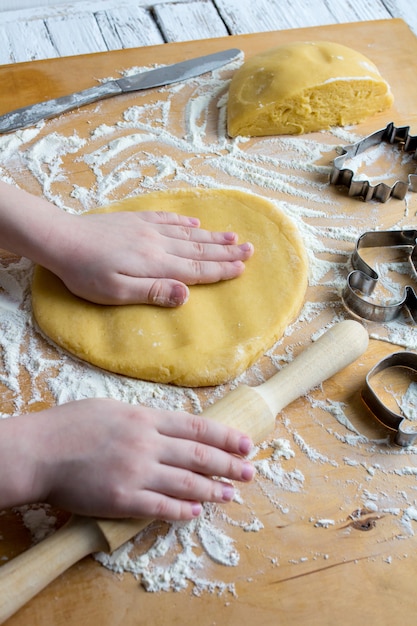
column 202, row 272
column 163, row 292
column 196, row 449
column 148, row 258
column 214, row 252
column 166, row 217
column 199, row 459
column 166, row 292
column 181, row 228
column 198, row 235
column 173, row 493
column 157, row 506
column 160, row 505
column 194, row 266
column 191, row 487
column 197, row 428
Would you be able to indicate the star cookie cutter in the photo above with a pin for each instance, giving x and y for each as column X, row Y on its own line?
column 404, row 427
column 364, row 279
column 363, row 188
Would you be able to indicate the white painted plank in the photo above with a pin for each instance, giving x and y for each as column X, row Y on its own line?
column 300, row 13
column 78, row 34
column 244, row 16
column 10, row 5
column 358, row 10
column 30, row 41
column 250, row 16
column 41, row 9
column 405, row 9
column 6, row 55
column 128, row 27
column 185, row 21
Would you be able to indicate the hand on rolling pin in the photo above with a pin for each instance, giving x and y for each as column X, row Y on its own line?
column 121, row 257
column 164, row 440
column 101, row 457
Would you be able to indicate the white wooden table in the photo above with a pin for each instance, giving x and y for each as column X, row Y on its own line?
column 100, row 25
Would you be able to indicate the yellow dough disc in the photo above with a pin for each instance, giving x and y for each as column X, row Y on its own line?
column 303, row 87
column 220, row 331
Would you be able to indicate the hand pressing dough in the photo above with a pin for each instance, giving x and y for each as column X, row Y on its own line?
column 303, row 87
column 220, row 331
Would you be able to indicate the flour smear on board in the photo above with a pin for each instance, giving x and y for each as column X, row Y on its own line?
column 141, row 152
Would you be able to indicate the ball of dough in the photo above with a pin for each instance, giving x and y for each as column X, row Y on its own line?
column 303, row 87
column 221, row 330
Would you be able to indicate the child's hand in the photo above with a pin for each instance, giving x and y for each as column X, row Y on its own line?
column 105, row 458
column 147, row 257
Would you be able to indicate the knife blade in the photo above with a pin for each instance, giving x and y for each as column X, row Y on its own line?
column 26, row 116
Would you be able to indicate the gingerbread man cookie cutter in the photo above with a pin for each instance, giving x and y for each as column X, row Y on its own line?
column 340, row 175
column 362, row 281
column 405, row 428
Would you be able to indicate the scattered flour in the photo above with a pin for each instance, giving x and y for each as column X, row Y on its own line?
column 282, row 448
column 39, row 520
column 324, row 523
column 409, row 516
column 287, row 481
column 157, row 573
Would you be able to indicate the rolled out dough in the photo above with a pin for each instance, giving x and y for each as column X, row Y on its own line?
column 220, row 331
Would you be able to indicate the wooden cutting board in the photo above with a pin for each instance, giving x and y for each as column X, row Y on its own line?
column 293, row 571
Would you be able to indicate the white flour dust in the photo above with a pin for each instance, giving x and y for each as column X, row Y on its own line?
column 144, row 151
column 159, row 574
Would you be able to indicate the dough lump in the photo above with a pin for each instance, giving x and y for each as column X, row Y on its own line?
column 303, row 87
column 220, row 331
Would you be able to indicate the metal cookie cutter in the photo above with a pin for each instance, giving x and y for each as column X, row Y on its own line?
column 364, row 279
column 406, row 429
column 363, row 188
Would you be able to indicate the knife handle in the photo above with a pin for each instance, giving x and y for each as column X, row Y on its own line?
column 26, row 116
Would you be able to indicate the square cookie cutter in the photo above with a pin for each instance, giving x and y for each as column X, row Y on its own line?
column 362, row 281
column 340, row 175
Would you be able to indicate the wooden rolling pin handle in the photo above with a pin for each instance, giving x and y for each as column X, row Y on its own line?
column 30, row 572
column 253, row 409
column 337, row 348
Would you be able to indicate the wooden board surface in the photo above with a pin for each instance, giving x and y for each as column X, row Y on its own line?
column 298, row 568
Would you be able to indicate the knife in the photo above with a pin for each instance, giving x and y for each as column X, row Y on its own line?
column 25, row 116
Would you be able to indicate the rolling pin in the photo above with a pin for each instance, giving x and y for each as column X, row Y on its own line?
column 250, row 409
